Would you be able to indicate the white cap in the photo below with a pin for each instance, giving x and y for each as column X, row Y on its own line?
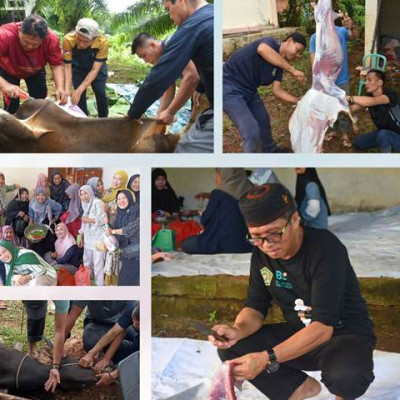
column 88, row 28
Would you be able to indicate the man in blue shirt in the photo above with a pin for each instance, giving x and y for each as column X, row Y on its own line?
column 193, row 40
column 131, row 317
column 261, row 63
column 346, row 30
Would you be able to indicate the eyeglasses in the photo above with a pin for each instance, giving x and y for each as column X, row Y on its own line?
column 275, row 237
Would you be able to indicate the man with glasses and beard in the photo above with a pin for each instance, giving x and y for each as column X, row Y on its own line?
column 307, row 273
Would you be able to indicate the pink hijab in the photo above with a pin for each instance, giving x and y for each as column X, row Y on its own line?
column 4, row 229
column 65, row 241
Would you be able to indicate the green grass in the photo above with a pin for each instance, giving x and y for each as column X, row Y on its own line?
column 13, row 329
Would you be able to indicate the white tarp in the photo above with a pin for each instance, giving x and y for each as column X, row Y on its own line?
column 180, row 365
column 372, row 240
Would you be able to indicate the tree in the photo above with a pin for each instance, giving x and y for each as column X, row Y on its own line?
column 64, row 15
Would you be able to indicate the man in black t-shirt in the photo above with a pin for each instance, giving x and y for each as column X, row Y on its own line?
column 260, row 63
column 381, row 103
column 307, row 273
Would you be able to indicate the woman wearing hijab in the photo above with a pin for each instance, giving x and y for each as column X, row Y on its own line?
column 134, row 186
column 25, row 267
column 94, row 219
column 127, row 230
column 18, row 215
column 67, row 253
column 42, row 182
column 72, row 217
column 43, row 210
column 311, row 199
column 97, row 185
column 4, row 189
column 119, row 181
column 163, row 197
column 224, row 228
column 58, row 186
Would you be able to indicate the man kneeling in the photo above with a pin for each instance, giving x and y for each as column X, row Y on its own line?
column 307, row 273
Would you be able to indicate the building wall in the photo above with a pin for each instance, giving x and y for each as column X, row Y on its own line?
column 27, row 177
column 245, row 15
column 388, row 20
column 348, row 189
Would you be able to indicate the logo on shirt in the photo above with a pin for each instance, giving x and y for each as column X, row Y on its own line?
column 274, row 71
column 281, row 280
column 303, row 311
column 267, row 276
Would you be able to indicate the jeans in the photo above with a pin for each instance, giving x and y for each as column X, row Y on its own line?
column 94, row 331
column 99, row 89
column 251, row 118
column 345, row 362
column 36, row 88
column 386, row 140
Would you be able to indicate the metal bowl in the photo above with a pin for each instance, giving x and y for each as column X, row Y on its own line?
column 36, row 233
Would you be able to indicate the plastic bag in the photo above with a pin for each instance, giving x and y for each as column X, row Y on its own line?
column 223, row 383
column 82, row 276
column 107, row 243
column 65, row 278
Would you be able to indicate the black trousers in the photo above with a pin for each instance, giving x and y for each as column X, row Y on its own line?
column 99, row 89
column 36, row 84
column 36, row 312
column 345, row 363
column 189, row 245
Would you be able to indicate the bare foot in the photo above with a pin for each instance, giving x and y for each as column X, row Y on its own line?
column 309, row 388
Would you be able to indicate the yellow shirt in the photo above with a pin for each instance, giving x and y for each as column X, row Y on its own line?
column 100, row 46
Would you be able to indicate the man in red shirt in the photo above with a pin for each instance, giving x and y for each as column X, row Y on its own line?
column 25, row 48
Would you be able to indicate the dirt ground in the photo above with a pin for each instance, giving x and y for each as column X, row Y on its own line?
column 280, row 112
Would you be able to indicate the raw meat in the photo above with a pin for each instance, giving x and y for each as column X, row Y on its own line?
column 320, row 106
column 223, row 384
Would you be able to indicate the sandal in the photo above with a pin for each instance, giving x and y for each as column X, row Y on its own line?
column 3, row 305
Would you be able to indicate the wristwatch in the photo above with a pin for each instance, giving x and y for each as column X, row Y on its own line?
column 273, row 364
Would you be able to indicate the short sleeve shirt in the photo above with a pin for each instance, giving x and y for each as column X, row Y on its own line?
column 98, row 49
column 344, row 36
column 21, row 64
column 125, row 320
column 320, row 277
column 248, row 70
column 381, row 114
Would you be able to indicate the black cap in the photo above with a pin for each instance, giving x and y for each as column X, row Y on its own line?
column 265, row 204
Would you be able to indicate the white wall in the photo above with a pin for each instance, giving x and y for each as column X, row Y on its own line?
column 348, row 189
column 27, row 177
column 245, row 14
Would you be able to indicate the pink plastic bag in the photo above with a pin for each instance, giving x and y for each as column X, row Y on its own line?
column 223, row 383
column 82, row 276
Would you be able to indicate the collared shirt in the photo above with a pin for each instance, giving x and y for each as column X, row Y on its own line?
column 17, row 62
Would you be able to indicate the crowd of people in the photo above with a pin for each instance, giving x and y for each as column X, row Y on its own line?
column 81, row 61
column 220, row 227
column 262, row 63
column 87, row 227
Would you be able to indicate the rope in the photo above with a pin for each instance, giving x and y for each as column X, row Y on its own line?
column 19, row 370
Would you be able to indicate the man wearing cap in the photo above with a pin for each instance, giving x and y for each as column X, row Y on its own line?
column 307, row 273
column 193, row 40
column 85, row 54
column 25, row 49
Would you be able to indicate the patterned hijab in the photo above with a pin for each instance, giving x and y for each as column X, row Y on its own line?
column 111, row 193
column 26, row 258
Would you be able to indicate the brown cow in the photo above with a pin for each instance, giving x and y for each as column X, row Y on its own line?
column 40, row 126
